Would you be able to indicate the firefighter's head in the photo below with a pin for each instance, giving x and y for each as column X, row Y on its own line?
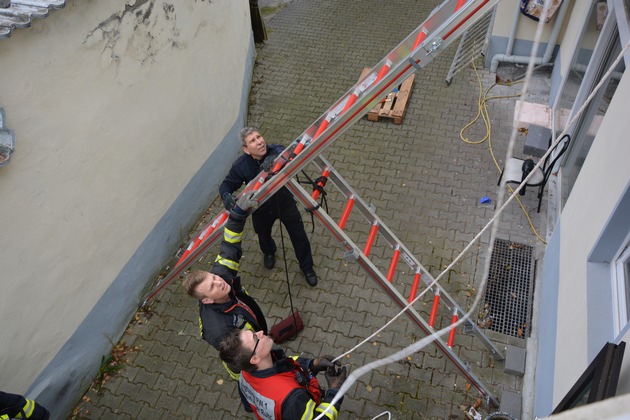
column 246, row 350
column 207, row 287
column 253, row 143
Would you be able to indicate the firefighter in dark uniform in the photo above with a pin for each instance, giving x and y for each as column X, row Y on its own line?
column 223, row 303
column 14, row 406
column 275, row 386
column 259, row 155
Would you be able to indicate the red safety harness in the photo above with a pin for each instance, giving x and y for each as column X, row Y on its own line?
column 270, row 392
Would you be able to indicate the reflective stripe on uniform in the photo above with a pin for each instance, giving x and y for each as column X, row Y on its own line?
column 308, row 413
column 232, row 265
column 28, row 409
column 331, row 414
column 231, row 236
column 200, row 327
column 230, row 372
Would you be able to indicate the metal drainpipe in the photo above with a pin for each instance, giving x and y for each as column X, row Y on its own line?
column 524, row 59
column 517, row 17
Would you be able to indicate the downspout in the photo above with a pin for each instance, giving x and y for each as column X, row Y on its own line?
column 517, row 17
column 524, row 59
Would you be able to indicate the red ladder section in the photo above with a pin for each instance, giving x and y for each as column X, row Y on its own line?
column 440, row 29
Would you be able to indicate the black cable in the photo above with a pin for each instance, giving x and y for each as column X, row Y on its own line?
column 286, row 272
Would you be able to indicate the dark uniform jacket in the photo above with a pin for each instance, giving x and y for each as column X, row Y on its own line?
column 16, row 406
column 286, row 390
column 241, row 311
column 244, row 169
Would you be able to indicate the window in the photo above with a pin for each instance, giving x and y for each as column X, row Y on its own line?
column 599, row 380
column 608, row 274
column 589, row 64
column 620, row 267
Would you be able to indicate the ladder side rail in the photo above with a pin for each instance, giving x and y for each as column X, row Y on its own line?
column 184, row 263
column 303, row 196
column 414, row 264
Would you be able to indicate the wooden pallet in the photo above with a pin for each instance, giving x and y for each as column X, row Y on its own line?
column 394, row 105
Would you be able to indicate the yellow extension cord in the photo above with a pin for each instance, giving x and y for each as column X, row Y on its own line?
column 482, row 111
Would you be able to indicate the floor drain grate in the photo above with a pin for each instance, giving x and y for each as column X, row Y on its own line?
column 508, row 298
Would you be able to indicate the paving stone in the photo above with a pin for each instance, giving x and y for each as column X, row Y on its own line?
column 164, row 383
column 130, row 407
column 168, row 402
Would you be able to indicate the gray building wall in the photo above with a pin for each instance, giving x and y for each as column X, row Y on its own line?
column 126, row 117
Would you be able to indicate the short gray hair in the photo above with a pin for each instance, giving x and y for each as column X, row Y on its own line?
column 246, row 132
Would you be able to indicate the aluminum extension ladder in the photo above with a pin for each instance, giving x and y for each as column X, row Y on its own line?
column 440, row 29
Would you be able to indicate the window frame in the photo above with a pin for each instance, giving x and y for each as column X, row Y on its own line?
column 621, row 286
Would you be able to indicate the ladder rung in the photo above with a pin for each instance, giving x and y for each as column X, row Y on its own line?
column 383, row 71
column 351, row 100
column 434, row 308
column 207, row 231
column 323, row 126
column 414, row 287
column 451, row 334
column 321, row 183
column 422, row 35
column 370, row 240
column 393, row 264
column 346, row 212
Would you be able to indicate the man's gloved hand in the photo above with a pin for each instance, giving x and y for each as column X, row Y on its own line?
column 322, row 363
column 228, row 201
column 267, row 164
column 245, row 203
column 336, row 377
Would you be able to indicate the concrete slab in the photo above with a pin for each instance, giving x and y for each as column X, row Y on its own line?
column 537, row 141
column 511, row 403
column 515, row 360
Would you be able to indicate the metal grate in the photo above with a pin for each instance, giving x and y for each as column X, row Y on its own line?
column 508, row 298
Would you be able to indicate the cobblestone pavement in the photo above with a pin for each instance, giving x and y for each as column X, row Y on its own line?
column 426, row 184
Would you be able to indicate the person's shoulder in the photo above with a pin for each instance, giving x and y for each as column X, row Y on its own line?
column 239, row 160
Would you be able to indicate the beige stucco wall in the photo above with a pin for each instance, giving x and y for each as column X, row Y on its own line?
column 592, row 200
column 526, row 27
column 572, row 40
column 115, row 106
